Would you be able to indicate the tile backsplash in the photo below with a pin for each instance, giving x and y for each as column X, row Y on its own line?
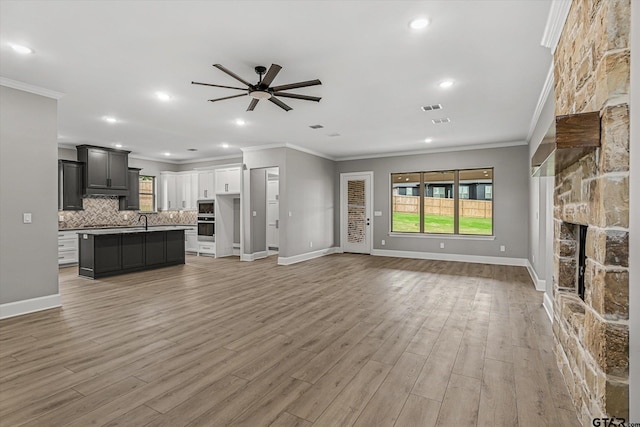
column 103, row 211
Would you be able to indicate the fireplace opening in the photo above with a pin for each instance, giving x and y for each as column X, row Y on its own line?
column 582, row 258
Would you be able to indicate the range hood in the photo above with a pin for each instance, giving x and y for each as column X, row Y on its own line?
column 568, row 139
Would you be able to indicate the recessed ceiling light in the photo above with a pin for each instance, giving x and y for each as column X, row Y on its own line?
column 163, row 96
column 118, row 145
column 109, row 119
column 192, row 149
column 428, row 140
column 21, row 49
column 419, row 23
column 240, row 122
column 445, row 84
column 167, row 153
column 224, row 145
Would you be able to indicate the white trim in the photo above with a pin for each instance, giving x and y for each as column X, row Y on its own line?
column 556, row 19
column 440, row 236
column 32, row 305
column 262, row 147
column 434, row 150
column 541, row 285
column 305, row 257
column 254, row 256
column 478, row 259
column 15, row 84
column 184, row 162
column 548, row 306
column 547, row 89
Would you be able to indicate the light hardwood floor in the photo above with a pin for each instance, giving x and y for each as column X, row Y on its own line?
column 341, row 340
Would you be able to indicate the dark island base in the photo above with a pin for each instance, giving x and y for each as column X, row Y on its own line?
column 102, row 255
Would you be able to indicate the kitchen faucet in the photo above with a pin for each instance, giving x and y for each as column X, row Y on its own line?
column 146, row 221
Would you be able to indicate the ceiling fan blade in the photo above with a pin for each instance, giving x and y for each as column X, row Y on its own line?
column 296, row 96
column 297, row 85
column 280, row 104
column 232, row 74
column 227, row 97
column 226, row 87
column 271, row 74
column 253, row 104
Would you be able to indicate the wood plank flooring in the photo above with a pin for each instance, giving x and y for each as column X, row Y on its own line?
column 337, row 341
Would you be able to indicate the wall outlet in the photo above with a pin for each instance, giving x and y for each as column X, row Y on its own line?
column 533, row 258
column 26, row 217
column 310, row 244
column 383, row 242
column 126, row 217
column 255, row 213
column 171, row 216
column 60, row 218
column 441, row 245
column 502, row 248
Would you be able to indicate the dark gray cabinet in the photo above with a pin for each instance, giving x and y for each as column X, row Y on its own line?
column 117, row 253
column 106, row 170
column 133, row 249
column 131, row 202
column 70, row 176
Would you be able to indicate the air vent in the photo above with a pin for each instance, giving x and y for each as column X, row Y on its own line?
column 432, row 107
column 316, row 126
column 440, row 121
column 333, row 134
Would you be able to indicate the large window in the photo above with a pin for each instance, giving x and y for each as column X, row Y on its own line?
column 443, row 202
column 147, row 193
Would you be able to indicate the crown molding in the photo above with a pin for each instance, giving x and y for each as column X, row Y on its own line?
column 436, row 150
column 287, row 145
column 26, row 87
column 547, row 89
column 555, row 23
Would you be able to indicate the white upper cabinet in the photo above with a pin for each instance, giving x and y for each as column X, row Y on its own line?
column 227, row 181
column 206, row 190
column 178, row 191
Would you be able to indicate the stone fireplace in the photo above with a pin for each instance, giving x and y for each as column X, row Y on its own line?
column 591, row 334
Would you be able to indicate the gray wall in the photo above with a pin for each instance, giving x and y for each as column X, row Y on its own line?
column 311, row 199
column 511, row 199
column 307, row 192
column 28, row 171
column 634, row 212
column 258, row 207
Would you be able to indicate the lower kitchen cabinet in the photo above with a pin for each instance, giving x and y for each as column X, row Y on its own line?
column 67, row 247
column 133, row 250
column 110, row 253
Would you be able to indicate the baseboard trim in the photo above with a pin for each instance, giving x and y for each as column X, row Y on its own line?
column 548, row 306
column 18, row 308
column 541, row 285
column 305, row 257
column 254, row 256
column 478, row 259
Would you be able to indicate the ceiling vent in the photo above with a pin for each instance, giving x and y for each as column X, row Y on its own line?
column 333, row 134
column 432, row 107
column 316, row 126
column 440, row 121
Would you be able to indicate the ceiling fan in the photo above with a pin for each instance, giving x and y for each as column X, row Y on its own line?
column 262, row 89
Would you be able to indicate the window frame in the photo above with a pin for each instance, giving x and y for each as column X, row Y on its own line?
column 456, row 201
column 153, row 193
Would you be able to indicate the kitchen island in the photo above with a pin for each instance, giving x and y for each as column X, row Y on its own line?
column 107, row 252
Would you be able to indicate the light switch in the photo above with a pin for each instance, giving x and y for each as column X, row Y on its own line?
column 290, row 213
column 26, row 217
column 255, row 213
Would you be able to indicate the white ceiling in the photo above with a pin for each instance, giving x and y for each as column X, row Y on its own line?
column 109, row 58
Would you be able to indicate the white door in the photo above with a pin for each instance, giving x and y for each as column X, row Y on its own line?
column 355, row 212
column 273, row 212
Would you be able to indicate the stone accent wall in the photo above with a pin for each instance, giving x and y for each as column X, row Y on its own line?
column 104, row 211
column 591, row 67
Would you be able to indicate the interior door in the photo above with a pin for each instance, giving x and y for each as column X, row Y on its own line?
column 355, row 212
